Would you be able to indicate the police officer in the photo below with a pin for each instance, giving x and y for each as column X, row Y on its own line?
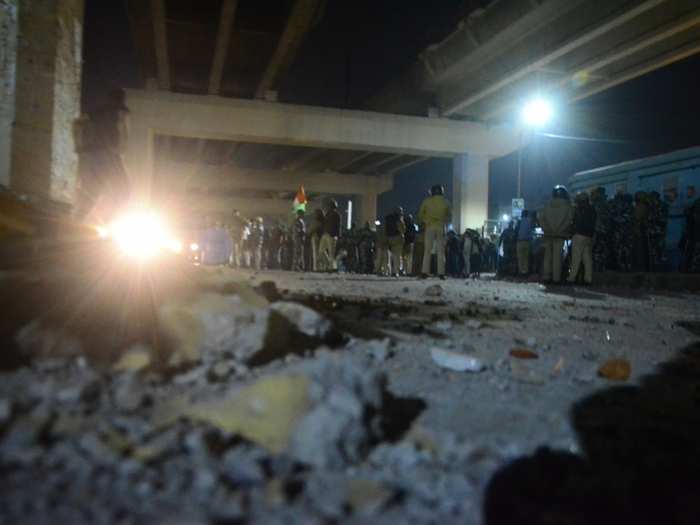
column 601, row 237
column 395, row 231
column 658, row 221
column 555, row 220
column 621, row 211
column 434, row 215
column 299, row 232
column 409, row 244
column 367, row 239
column 329, row 239
column 583, row 230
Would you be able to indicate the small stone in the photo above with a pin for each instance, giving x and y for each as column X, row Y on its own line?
column 531, row 342
column 615, row 370
column 524, row 374
column 127, row 395
column 366, row 496
column 378, row 350
column 241, row 468
column 455, row 361
column 434, row 291
column 523, row 353
column 590, row 355
column 584, row 378
column 473, row 324
column 305, row 320
column 443, row 326
column 135, row 359
column 220, row 371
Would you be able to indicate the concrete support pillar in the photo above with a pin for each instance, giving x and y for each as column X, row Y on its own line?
column 139, row 160
column 47, row 99
column 470, row 191
column 8, row 71
column 368, row 208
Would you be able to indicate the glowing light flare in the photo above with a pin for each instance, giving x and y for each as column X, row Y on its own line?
column 142, row 234
column 506, row 218
column 194, row 247
column 102, row 232
column 537, row 112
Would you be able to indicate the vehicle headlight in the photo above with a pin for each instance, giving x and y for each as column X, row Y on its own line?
column 142, row 234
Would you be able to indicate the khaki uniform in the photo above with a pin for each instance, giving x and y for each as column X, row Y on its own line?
column 434, row 214
column 555, row 220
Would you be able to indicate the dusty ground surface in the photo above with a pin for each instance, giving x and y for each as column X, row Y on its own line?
column 532, row 432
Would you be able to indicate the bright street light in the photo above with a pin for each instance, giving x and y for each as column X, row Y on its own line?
column 537, row 112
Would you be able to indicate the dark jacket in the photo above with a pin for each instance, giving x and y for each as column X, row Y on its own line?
column 331, row 223
column 584, row 220
column 411, row 230
column 395, row 225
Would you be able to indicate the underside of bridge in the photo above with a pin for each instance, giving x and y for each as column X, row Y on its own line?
column 479, row 74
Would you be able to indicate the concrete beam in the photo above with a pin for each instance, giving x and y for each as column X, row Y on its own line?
column 161, row 43
column 619, row 53
column 212, row 204
column 262, row 122
column 298, row 24
column 372, row 168
column 639, row 70
column 223, row 41
column 453, row 101
column 487, row 33
column 183, row 176
column 408, row 163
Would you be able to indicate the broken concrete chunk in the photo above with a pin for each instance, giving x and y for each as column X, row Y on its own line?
column 135, row 359
column 304, row 319
column 616, row 370
column 455, row 361
column 265, row 412
column 434, row 291
column 524, row 374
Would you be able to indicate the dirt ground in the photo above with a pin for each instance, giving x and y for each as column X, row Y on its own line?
column 539, row 430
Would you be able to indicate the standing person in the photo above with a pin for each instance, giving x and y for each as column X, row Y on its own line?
column 299, row 241
column 316, row 232
column 453, row 262
column 601, row 239
column 367, row 240
column 471, row 251
column 236, row 231
column 640, row 233
column 524, row 239
column 508, row 263
column 381, row 258
column 395, row 231
column 621, row 212
column 658, row 222
column 583, row 230
column 216, row 244
column 409, row 242
column 555, row 220
column 434, row 215
column 329, row 239
column 257, row 236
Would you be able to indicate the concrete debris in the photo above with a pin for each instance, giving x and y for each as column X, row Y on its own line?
column 220, row 371
column 135, row 359
column 524, row 374
column 473, row 324
column 455, row 361
column 304, row 319
column 378, row 349
column 615, row 370
column 434, row 290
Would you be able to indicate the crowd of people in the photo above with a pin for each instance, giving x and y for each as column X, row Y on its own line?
column 563, row 241
column 595, row 234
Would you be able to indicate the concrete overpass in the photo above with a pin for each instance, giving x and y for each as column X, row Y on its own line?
column 234, row 121
column 213, row 76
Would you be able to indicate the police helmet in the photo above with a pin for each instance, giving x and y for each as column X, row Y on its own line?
column 560, row 192
column 333, row 204
column 437, row 189
column 582, row 198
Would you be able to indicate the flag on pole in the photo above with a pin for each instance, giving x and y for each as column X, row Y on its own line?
column 300, row 199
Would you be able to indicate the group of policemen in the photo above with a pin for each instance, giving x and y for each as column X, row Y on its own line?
column 594, row 233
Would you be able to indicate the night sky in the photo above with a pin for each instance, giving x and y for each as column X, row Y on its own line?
column 363, row 44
